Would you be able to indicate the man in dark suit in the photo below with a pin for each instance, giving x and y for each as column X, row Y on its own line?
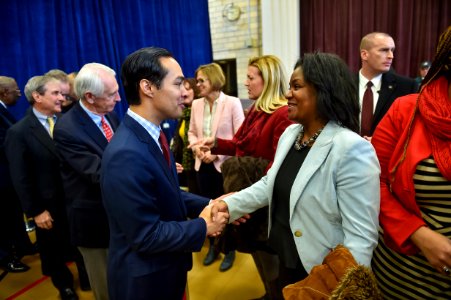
column 80, row 140
column 14, row 239
column 377, row 53
column 34, row 168
column 151, row 239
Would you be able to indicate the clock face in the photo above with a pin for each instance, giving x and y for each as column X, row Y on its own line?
column 232, row 12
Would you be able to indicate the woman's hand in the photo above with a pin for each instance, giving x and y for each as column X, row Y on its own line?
column 196, row 151
column 208, row 157
column 435, row 247
column 204, row 144
column 179, row 168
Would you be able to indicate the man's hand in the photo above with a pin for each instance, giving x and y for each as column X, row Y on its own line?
column 44, row 220
column 219, row 205
column 215, row 224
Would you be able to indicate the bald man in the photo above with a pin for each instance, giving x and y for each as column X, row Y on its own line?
column 377, row 54
column 14, row 239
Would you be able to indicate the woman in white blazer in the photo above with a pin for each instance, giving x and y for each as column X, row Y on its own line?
column 214, row 115
column 323, row 187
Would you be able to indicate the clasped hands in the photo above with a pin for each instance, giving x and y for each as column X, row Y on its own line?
column 201, row 149
column 217, row 212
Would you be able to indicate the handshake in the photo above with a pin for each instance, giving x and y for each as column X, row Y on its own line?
column 216, row 215
column 201, row 149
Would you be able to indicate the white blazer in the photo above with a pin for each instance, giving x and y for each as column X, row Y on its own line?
column 227, row 120
column 335, row 197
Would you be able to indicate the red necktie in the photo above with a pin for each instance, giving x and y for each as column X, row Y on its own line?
column 367, row 110
column 106, row 129
column 164, row 147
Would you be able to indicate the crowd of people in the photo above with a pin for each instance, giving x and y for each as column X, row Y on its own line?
column 323, row 159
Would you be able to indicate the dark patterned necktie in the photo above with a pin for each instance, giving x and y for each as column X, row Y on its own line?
column 164, row 147
column 367, row 111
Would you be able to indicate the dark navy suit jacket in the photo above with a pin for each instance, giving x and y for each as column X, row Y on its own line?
column 80, row 143
column 6, row 121
column 151, row 238
column 392, row 87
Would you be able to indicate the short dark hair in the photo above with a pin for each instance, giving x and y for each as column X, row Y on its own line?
column 336, row 89
column 144, row 63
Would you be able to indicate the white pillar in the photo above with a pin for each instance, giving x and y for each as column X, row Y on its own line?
column 281, row 30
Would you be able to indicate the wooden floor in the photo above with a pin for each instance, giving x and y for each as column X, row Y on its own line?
column 241, row 282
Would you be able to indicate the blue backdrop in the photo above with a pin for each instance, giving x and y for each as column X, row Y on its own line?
column 39, row 35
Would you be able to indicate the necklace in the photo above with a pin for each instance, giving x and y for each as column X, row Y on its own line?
column 299, row 144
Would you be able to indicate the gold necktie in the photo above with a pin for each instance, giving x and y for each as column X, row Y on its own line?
column 51, row 125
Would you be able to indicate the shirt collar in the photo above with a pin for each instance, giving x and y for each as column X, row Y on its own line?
column 41, row 116
column 151, row 128
column 377, row 81
column 97, row 119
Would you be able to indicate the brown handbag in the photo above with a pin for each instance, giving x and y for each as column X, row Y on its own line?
column 339, row 277
column 239, row 173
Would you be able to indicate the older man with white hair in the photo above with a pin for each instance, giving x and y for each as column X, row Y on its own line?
column 81, row 135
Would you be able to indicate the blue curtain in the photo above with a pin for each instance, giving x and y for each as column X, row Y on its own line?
column 39, row 35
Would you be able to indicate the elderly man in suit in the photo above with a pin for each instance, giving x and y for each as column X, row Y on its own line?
column 34, row 167
column 13, row 236
column 378, row 85
column 151, row 238
column 81, row 136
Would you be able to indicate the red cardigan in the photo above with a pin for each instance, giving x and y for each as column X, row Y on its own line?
column 258, row 135
column 400, row 215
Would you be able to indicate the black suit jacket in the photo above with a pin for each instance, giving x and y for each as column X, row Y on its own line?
column 12, row 227
column 392, row 87
column 6, row 121
column 80, row 144
column 34, row 168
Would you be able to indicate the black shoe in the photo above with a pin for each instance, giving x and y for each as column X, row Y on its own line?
column 14, row 265
column 211, row 256
column 227, row 262
column 68, row 294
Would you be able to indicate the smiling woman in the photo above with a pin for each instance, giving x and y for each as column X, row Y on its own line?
column 314, row 191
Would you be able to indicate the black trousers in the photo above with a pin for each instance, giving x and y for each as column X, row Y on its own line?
column 210, row 181
column 13, row 237
column 56, row 250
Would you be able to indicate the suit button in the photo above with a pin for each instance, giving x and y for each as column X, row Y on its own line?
column 298, row 233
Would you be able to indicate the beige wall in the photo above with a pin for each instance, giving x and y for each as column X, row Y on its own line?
column 239, row 39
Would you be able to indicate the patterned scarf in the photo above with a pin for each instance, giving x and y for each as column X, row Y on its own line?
column 435, row 108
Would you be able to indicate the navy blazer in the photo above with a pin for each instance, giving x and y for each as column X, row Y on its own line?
column 392, row 87
column 80, row 143
column 151, row 239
